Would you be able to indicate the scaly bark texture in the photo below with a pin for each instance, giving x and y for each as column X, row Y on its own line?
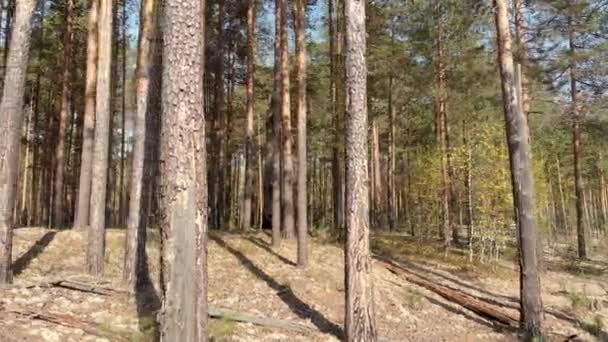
column 522, row 179
column 360, row 318
column 302, row 201
column 97, row 230
column 183, row 174
column 81, row 218
column 250, row 153
column 143, row 170
column 11, row 120
column 59, row 207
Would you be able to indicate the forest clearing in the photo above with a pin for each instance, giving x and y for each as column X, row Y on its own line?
column 251, row 279
column 303, row 170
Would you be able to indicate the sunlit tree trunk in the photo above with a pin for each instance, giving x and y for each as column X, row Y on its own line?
column 101, row 144
column 183, row 174
column 531, row 308
column 359, row 317
column 302, row 202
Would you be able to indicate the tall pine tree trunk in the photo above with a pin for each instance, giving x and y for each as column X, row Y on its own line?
column 286, row 136
column 360, row 318
column 302, row 191
column 531, row 307
column 576, row 147
column 11, row 114
column 96, row 233
column 275, row 107
column 81, row 218
column 337, row 166
column 183, row 174
column 148, row 110
column 250, row 144
column 59, row 207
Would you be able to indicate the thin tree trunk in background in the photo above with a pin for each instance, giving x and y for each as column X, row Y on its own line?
column 148, row 108
column 286, row 136
column 576, row 147
column 250, row 144
column 27, row 164
column 531, row 307
column 442, row 122
column 392, row 196
column 81, row 219
column 276, row 125
column 561, row 197
column 219, row 122
column 468, row 185
column 66, row 97
column 183, row 174
column 123, row 105
column 337, row 166
column 376, row 165
column 359, row 317
column 603, row 198
column 35, row 198
column 302, row 192
column 96, row 233
column 11, row 109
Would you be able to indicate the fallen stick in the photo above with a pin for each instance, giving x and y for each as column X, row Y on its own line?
column 467, row 301
column 230, row 315
column 66, row 321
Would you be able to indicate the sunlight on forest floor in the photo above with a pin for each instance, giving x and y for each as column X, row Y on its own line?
column 247, row 276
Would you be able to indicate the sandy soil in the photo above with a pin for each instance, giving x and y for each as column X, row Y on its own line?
column 246, row 275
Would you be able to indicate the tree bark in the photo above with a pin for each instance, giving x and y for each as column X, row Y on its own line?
column 522, row 179
column 11, row 114
column 250, row 145
column 360, row 318
column 143, row 169
column 96, row 233
column 66, row 97
column 183, row 174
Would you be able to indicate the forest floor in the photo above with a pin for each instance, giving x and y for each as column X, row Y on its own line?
column 247, row 276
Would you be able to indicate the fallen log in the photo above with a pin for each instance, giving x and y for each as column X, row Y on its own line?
column 235, row 316
column 467, row 301
column 66, row 321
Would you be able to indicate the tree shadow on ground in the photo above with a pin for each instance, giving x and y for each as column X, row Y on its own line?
column 263, row 245
column 25, row 259
column 295, row 304
column 148, row 303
